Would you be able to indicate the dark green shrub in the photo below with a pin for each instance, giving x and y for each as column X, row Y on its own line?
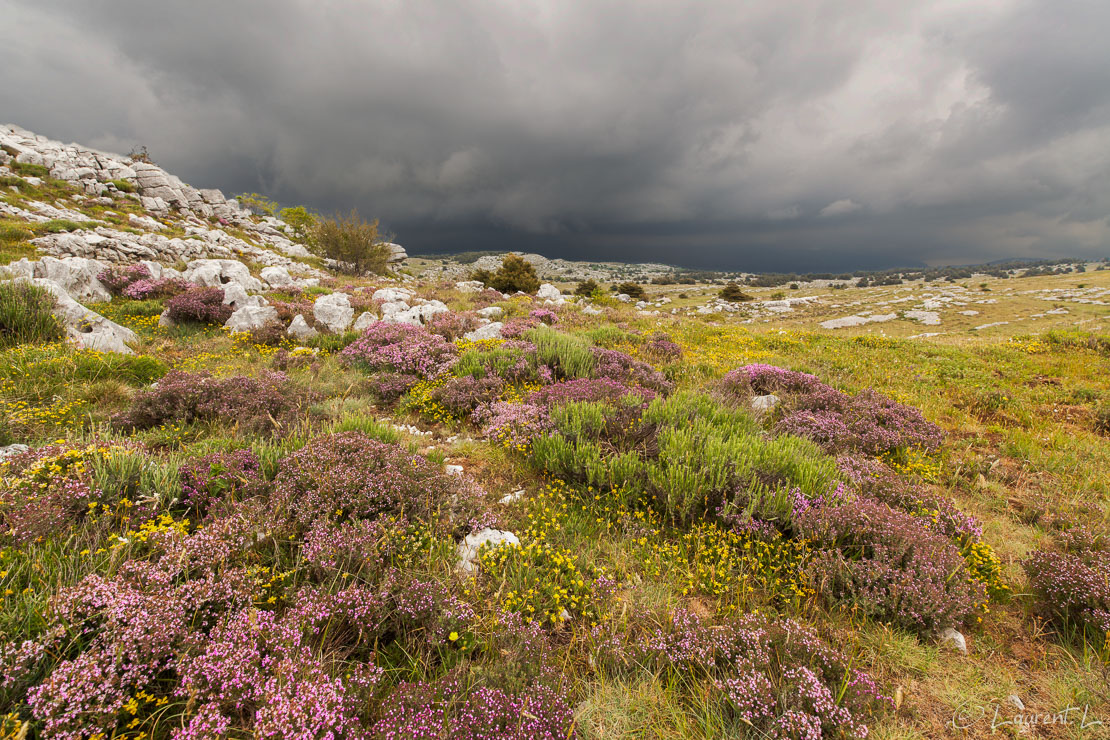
column 355, row 244
column 733, row 292
column 515, row 273
column 301, row 220
column 14, row 233
column 27, row 315
column 587, row 288
column 123, row 186
column 57, row 225
column 635, row 291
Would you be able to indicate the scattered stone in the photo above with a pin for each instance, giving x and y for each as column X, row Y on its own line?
column 469, row 547
column 490, row 312
column 928, row 318
column 364, row 321
column 513, row 497
column 249, row 318
column 469, row 286
column 952, row 638
column 491, row 330
column 334, row 311
column 548, row 291
column 386, row 295
column 1015, row 701
column 11, row 450
column 847, row 321
column 299, row 328
column 766, row 403
column 453, row 469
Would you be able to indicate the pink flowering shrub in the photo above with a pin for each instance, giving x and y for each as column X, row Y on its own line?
column 516, row 327
column 199, row 305
column 460, row 396
column 776, row 676
column 117, row 279
column 1073, row 588
column 544, row 316
column 401, row 348
column 586, row 389
column 44, row 491
column 875, row 480
column 661, row 348
column 351, row 476
column 390, row 386
column 446, row 710
column 211, row 479
column 451, row 325
column 623, row 368
column 888, row 565
column 261, row 404
column 513, row 425
column 868, row 422
column 142, row 290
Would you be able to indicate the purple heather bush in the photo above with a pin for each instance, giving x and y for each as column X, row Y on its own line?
column 544, row 315
column 402, row 348
column 1073, row 588
column 515, row 328
column 117, row 279
column 623, row 368
column 513, row 424
column 221, row 476
column 199, row 305
column 423, row 711
column 389, row 387
column 875, row 480
column 452, row 325
column 661, row 348
column 513, row 361
column 351, row 476
column 776, row 676
column 586, row 389
column 867, row 422
column 460, row 396
column 142, row 290
column 44, row 491
column 889, row 565
column 261, row 404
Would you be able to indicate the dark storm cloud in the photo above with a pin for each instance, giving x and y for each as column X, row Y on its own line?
column 803, row 135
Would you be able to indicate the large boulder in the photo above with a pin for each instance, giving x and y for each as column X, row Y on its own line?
column 397, row 253
column 76, row 275
column 392, row 295
column 249, row 318
column 469, row 286
column 236, row 296
column 491, row 330
column 365, row 320
column 548, row 292
column 217, row 273
column 86, row 329
column 334, row 311
column 299, row 328
column 490, row 312
column 416, row 315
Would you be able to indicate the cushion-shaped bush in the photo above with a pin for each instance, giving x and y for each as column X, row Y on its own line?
column 199, row 305
column 888, row 565
column 117, row 279
column 352, row 476
column 220, row 476
column 261, row 404
column 401, row 348
column 1073, row 588
column 622, row 367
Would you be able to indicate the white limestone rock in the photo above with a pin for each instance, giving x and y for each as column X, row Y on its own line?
column 364, row 321
column 216, row 273
column 548, row 291
column 491, row 330
column 469, row 547
column 87, row 329
column 490, row 312
column 952, row 638
column 334, row 311
column 278, row 277
column 76, row 275
column 763, row 404
column 388, row 295
column 249, row 318
column 299, row 328
column 11, row 450
column 469, row 286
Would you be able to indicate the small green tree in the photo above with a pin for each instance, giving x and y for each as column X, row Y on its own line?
column 634, row 291
column 515, row 273
column 301, row 220
column 257, row 203
column 353, row 243
column 733, row 292
column 587, row 288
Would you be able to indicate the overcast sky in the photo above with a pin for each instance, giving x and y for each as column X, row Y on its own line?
column 761, row 134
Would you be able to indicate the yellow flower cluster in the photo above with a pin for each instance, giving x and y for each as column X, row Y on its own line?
column 420, row 399
column 1028, row 346
column 724, row 348
column 986, row 567
column 727, row 565
column 481, row 345
column 913, row 462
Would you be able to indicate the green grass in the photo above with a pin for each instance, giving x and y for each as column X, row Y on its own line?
column 27, row 315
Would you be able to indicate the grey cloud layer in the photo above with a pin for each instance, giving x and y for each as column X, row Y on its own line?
column 759, row 133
